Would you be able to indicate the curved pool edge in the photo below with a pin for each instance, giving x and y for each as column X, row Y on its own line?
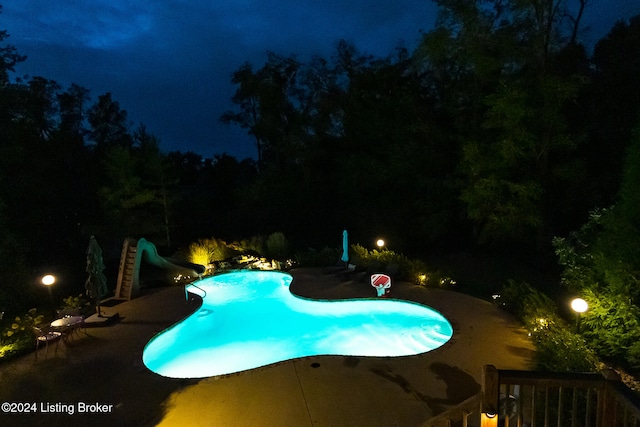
column 291, row 278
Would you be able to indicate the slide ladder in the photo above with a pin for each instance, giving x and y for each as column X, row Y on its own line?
column 127, row 270
column 133, row 252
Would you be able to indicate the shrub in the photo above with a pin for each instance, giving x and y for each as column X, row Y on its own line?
column 22, row 326
column 600, row 264
column 314, row 258
column 74, row 302
column 255, row 244
column 277, row 246
column 17, row 337
column 360, row 255
column 206, row 251
column 73, row 305
column 611, row 325
column 557, row 347
column 559, row 350
column 218, row 254
column 633, row 355
column 411, row 270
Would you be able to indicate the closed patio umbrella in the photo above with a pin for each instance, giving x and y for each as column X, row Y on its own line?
column 345, row 248
column 96, row 284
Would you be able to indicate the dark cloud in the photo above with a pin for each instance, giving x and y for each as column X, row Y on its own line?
column 169, row 62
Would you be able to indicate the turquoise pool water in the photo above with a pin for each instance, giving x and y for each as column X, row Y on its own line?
column 250, row 319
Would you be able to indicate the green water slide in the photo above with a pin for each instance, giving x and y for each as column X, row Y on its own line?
column 136, row 251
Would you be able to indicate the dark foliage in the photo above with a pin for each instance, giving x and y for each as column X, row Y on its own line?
column 497, row 132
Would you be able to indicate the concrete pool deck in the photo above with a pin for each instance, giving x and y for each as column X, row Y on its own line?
column 104, row 366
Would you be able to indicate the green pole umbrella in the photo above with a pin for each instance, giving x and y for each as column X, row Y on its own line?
column 345, row 248
column 96, row 284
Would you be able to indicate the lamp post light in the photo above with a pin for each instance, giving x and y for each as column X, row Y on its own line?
column 48, row 280
column 579, row 306
column 380, row 243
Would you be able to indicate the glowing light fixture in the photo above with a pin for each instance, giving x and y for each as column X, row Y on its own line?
column 422, row 279
column 489, row 419
column 380, row 243
column 579, row 305
column 48, row 280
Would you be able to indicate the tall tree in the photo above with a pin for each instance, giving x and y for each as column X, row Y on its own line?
column 72, row 112
column 152, row 167
column 248, row 99
column 9, row 57
column 614, row 107
column 108, row 123
column 511, row 103
column 337, row 134
column 265, row 98
column 135, row 194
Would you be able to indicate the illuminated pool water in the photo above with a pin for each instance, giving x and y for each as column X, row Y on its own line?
column 250, row 319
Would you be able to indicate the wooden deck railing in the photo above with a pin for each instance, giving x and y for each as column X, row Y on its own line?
column 465, row 414
column 542, row 399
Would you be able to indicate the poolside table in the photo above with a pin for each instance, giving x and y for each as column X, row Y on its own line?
column 68, row 324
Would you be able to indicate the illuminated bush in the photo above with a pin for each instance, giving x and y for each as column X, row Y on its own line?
column 73, row 305
column 600, row 264
column 558, row 348
column 22, row 326
column 17, row 337
column 612, row 325
column 411, row 270
column 207, row 251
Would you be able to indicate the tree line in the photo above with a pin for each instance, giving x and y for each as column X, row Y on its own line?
column 500, row 130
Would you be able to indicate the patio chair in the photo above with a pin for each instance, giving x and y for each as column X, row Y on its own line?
column 45, row 336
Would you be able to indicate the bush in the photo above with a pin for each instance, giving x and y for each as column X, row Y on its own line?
column 255, row 244
column 611, row 325
column 220, row 255
column 18, row 338
column 411, row 270
column 315, row 258
column 277, row 246
column 558, row 349
column 600, row 264
column 207, row 251
column 22, row 326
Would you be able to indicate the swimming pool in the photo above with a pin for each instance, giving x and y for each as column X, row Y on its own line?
column 250, row 319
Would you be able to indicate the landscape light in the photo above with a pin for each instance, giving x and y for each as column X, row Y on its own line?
column 48, row 280
column 489, row 419
column 579, row 305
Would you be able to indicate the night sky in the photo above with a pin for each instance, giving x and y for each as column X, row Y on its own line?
column 169, row 62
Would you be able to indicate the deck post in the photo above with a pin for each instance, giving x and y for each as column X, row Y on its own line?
column 490, row 396
column 609, row 416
